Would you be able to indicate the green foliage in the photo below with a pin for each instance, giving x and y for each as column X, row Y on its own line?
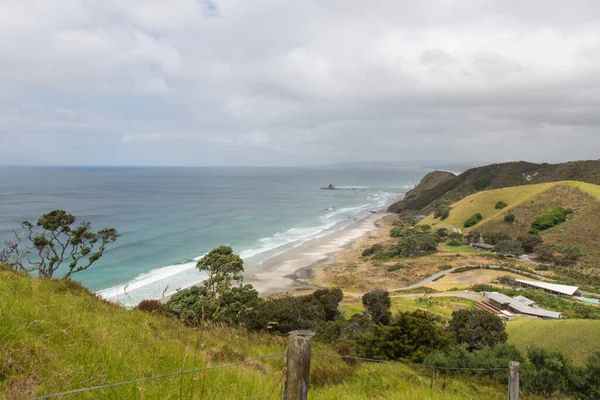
column 500, row 205
column 409, row 336
column 568, row 255
column 510, row 218
column 456, row 239
column 474, row 220
column 473, row 237
column 441, row 212
column 542, row 267
column 56, row 241
column 544, row 252
column 378, row 303
column 482, row 182
column 375, row 249
column 496, row 237
column 569, row 308
column 556, row 216
column 152, row 307
column 296, row 312
column 511, row 248
column 224, row 269
column 550, row 372
column 530, row 242
column 414, row 245
column 477, row 329
column 442, row 233
column 397, row 267
column 508, row 280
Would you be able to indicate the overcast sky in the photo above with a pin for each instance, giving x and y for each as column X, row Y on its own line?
column 272, row 82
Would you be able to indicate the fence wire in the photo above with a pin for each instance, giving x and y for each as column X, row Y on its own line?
column 408, row 364
column 150, row 378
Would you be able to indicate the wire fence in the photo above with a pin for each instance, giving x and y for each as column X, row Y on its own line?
column 151, row 378
column 189, row 371
column 407, row 364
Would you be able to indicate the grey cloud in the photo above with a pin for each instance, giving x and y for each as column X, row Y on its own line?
column 191, row 82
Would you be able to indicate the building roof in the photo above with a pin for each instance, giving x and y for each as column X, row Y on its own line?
column 524, row 300
column 482, row 245
column 520, row 307
column 553, row 287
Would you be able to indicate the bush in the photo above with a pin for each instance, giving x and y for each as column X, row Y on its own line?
column 542, row 267
column 556, row 216
column 530, row 242
column 500, row 205
column 456, row 239
column 568, row 255
column 509, row 248
column 544, row 252
column 510, row 218
column 496, row 237
column 474, row 220
column 397, row 267
column 152, row 306
column 473, row 237
column 442, row 233
column 376, row 248
column 507, row 280
column 442, row 212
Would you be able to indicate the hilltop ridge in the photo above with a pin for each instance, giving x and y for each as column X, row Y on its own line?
column 495, row 176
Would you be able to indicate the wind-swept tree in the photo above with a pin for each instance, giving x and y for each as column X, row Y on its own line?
column 224, row 269
column 54, row 241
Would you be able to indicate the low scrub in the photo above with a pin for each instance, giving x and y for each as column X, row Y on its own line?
column 500, row 205
column 549, row 220
column 474, row 220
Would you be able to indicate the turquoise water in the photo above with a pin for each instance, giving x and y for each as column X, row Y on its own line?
column 169, row 217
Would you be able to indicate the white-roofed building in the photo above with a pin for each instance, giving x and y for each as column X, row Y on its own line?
column 504, row 302
column 524, row 300
column 554, row 288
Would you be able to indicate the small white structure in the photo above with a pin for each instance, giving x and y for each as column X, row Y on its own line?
column 560, row 290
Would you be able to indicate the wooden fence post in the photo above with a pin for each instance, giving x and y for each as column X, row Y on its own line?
column 513, row 380
column 298, row 365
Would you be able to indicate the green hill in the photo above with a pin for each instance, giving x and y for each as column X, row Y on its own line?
column 579, row 338
column 56, row 336
column 494, row 176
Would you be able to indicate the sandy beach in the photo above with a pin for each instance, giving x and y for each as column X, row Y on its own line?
column 293, row 269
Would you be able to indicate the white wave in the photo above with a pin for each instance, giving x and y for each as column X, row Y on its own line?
column 151, row 285
column 352, row 187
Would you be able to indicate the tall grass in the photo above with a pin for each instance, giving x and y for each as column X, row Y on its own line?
column 56, row 336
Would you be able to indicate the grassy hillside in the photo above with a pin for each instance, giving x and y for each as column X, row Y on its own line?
column 485, row 202
column 496, row 176
column 576, row 337
column 55, row 336
column 581, row 230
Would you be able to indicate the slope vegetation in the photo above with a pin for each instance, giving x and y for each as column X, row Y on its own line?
column 56, row 336
column 527, row 203
column 495, row 176
column 579, row 338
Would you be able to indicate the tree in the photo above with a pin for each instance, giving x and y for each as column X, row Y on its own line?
column 408, row 247
column 550, row 371
column 495, row 237
column 509, row 248
column 456, row 239
column 378, row 303
column 544, row 252
column 477, row 328
column 54, row 241
column 510, row 218
column 473, row 237
column 223, row 268
column 569, row 255
column 442, row 233
column 530, row 241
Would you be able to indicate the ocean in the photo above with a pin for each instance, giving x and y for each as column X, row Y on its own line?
column 170, row 217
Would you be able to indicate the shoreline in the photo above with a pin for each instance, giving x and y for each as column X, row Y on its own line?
column 295, row 268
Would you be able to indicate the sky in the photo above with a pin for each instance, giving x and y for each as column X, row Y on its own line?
column 307, row 82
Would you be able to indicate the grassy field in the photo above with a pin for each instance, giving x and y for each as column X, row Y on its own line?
column 576, row 337
column 55, row 336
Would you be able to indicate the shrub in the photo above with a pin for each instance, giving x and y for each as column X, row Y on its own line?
column 397, row 267
column 495, row 237
column 530, row 242
column 376, row 248
column 556, row 216
column 445, row 213
column 509, row 248
column 500, row 205
column 474, row 220
column 507, row 280
column 442, row 233
column 442, row 212
column 569, row 255
column 544, row 252
column 542, row 267
column 510, row 218
column 456, row 239
column 152, row 306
